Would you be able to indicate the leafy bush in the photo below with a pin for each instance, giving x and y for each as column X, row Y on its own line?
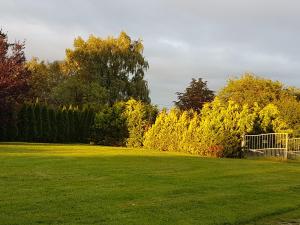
column 123, row 124
column 167, row 134
column 139, row 117
column 110, row 126
column 216, row 132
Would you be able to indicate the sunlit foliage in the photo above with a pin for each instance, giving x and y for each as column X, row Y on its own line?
column 139, row 118
column 117, row 64
column 251, row 90
column 217, row 131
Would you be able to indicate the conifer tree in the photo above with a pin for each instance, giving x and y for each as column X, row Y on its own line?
column 46, row 123
column 39, row 122
column 84, row 124
column 32, row 123
column 12, row 129
column 139, row 117
column 71, row 124
column 60, row 126
column 76, row 125
column 66, row 125
column 90, row 121
column 53, row 125
column 2, row 128
column 22, row 120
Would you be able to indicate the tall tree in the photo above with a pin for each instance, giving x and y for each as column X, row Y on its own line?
column 195, row 96
column 13, row 81
column 77, row 92
column 44, row 77
column 116, row 64
column 250, row 89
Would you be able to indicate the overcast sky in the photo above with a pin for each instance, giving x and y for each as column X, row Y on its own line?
column 212, row 39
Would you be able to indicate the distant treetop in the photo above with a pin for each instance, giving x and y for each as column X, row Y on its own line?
column 195, row 96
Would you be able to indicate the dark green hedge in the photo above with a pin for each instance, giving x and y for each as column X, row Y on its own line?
column 40, row 123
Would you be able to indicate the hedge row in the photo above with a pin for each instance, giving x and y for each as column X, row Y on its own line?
column 39, row 123
column 217, row 131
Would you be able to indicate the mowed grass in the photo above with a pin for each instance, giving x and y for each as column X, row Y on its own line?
column 82, row 184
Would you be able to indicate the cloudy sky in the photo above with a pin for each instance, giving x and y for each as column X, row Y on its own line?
column 212, row 39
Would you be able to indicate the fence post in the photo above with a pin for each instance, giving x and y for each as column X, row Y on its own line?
column 286, row 146
column 243, row 141
column 243, row 145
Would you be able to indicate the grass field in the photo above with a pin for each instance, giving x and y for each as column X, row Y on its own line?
column 78, row 184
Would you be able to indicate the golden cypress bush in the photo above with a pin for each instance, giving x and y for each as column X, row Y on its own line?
column 217, row 131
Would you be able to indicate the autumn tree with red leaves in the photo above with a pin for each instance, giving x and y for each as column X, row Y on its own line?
column 13, row 83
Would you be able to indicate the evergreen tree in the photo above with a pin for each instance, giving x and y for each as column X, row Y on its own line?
column 39, row 122
column 60, row 126
column 32, row 123
column 66, row 124
column 22, row 120
column 2, row 128
column 46, row 123
column 12, row 129
column 139, row 117
column 90, row 122
column 84, row 125
column 53, row 125
column 71, row 125
column 165, row 134
column 76, row 125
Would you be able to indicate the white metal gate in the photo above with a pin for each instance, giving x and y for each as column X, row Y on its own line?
column 272, row 145
column 268, row 145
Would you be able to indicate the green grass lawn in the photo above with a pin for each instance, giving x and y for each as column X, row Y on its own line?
column 81, row 184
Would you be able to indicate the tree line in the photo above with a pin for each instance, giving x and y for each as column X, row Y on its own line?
column 98, row 94
column 97, row 73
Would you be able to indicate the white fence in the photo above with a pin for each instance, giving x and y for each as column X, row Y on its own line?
column 294, row 147
column 272, row 145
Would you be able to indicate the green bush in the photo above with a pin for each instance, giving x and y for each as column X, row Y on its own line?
column 123, row 124
column 110, row 127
